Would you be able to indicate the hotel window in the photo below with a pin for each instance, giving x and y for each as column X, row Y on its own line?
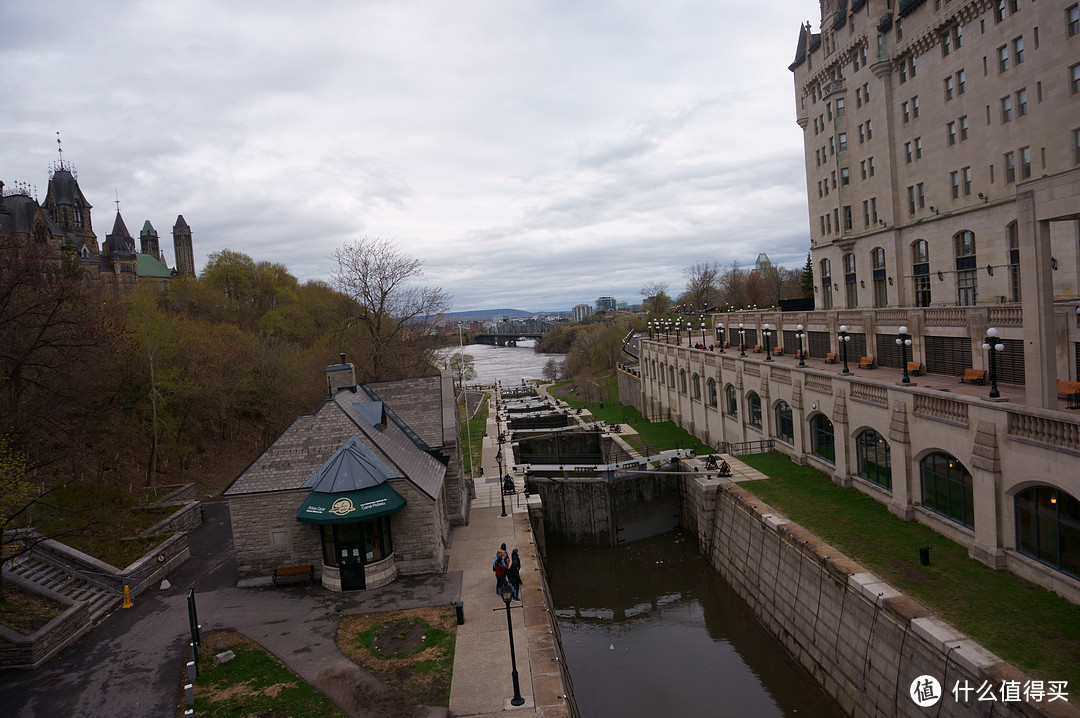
column 958, row 36
column 817, row 157
column 1072, row 20
column 843, row 142
column 911, row 199
column 877, row 259
column 920, row 193
column 1076, row 147
column 828, row 110
column 847, row 217
column 1021, row 103
column 865, row 87
column 711, row 387
column 961, row 82
column 1014, row 262
column 1018, row 50
column 948, row 91
column 862, row 135
column 1003, row 58
column 905, row 110
column 862, row 168
column 858, row 97
column 840, row 111
column 873, row 216
column 826, row 284
column 920, row 265
column 785, row 428
column 946, row 44
column 1009, row 162
column 1048, row 527
column 963, row 128
column 731, row 407
column 851, row 294
column 950, row 133
column 870, row 165
column 918, row 148
column 903, row 72
column 946, row 487
column 1025, row 163
column 753, row 407
column 915, row 107
column 872, row 458
column 822, row 441
column 1074, row 80
column 1006, row 109
column 999, row 10
column 682, row 381
column 832, row 146
column 966, row 272
column 965, row 175
column 1014, row 6
column 862, row 58
column 954, row 184
column 869, row 130
column 907, row 152
column 845, row 176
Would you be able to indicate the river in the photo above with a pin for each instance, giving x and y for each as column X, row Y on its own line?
column 508, row 364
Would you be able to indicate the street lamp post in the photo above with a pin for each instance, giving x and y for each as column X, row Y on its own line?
column 993, row 345
column 702, row 318
column 799, row 334
column 507, row 594
column 678, row 332
column 903, row 339
column 502, row 494
column 844, row 338
column 766, row 333
column 720, row 332
column 742, row 340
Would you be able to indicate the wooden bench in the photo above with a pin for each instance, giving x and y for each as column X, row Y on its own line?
column 914, row 367
column 975, row 376
column 866, row 363
column 294, row 574
column 830, row 358
column 757, row 348
column 778, row 351
column 1065, row 387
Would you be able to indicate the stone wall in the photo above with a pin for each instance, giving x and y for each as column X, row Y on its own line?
column 863, row 641
column 28, row 652
column 267, row 535
column 420, row 532
column 184, row 519
column 629, row 387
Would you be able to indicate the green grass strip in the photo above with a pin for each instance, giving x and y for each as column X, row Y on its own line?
column 1027, row 625
column 476, row 428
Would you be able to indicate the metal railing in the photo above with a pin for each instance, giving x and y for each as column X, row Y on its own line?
column 743, row 448
column 556, row 634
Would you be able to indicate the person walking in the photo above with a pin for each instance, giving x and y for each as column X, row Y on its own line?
column 501, row 564
column 513, row 575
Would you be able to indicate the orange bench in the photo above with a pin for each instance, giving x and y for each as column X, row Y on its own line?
column 866, row 362
column 830, row 358
column 1066, row 387
column 975, row 376
column 914, row 367
column 757, row 348
column 294, row 574
column 778, row 351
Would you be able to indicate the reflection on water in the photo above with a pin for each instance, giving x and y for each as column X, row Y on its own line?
column 650, row 630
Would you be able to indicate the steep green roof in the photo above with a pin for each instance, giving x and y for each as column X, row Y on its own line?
column 148, row 228
column 149, row 266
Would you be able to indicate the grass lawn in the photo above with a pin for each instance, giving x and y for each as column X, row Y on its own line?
column 651, row 436
column 411, row 650
column 26, row 612
column 1027, row 625
column 252, row 683
column 476, row 428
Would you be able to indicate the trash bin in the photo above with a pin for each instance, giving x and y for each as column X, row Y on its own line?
column 924, row 555
column 460, row 608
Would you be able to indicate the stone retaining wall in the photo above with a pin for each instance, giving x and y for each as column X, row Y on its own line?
column 629, row 388
column 862, row 640
column 185, row 519
column 28, row 652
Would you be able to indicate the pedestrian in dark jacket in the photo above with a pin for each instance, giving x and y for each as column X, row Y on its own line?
column 500, row 566
column 513, row 574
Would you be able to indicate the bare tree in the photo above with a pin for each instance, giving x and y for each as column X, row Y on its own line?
column 657, row 301
column 393, row 314
column 702, row 282
column 733, row 283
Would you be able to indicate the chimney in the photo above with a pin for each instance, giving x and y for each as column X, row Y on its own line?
column 340, row 376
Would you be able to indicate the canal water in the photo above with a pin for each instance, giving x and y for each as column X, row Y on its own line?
column 649, row 629
column 508, row 364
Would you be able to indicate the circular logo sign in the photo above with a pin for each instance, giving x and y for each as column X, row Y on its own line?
column 342, row 507
column 925, row 691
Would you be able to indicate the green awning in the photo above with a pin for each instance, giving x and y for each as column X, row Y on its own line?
column 350, row 506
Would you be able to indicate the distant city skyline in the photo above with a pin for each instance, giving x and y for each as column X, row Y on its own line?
column 524, row 152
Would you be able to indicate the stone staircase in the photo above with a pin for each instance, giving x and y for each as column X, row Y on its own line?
column 66, row 582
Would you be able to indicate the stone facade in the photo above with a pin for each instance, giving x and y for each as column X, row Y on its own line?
column 1007, row 447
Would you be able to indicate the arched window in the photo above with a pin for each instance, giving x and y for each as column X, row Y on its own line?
column 826, row 284
column 1014, row 262
column 662, row 373
column 946, row 488
column 1048, row 527
column 731, row 404
column 671, row 375
column 877, row 261
column 753, row 408
column 682, row 381
column 920, row 270
column 711, row 386
column 785, row 427
column 39, row 233
column 822, row 442
column 872, row 458
column 967, row 283
column 851, row 290
column 696, row 383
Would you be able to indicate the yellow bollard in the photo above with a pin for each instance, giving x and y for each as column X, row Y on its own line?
column 127, row 598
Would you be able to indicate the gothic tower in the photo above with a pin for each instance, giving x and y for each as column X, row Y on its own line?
column 148, row 241
column 185, row 258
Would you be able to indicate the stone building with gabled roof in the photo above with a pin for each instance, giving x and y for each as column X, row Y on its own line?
column 364, row 489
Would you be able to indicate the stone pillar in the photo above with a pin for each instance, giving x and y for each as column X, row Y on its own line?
column 1040, row 348
column 986, row 492
column 905, row 487
column 841, row 441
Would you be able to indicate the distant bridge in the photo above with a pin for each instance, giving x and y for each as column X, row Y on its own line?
column 502, row 333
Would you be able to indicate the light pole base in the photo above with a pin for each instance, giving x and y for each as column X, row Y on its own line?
column 910, row 383
column 526, row 702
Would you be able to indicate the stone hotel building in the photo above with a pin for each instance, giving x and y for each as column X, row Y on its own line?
column 942, row 147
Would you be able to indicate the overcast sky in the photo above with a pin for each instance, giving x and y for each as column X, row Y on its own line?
column 535, row 155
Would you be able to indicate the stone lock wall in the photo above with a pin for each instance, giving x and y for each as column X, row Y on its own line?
column 862, row 640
